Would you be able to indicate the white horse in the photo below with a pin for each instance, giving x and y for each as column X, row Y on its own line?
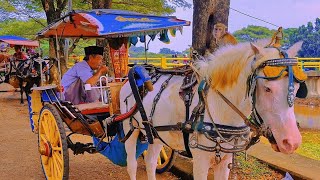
column 228, row 69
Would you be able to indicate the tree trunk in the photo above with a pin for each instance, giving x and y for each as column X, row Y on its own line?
column 104, row 4
column 206, row 13
column 53, row 12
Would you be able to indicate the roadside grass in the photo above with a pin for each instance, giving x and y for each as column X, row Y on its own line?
column 254, row 169
column 310, row 144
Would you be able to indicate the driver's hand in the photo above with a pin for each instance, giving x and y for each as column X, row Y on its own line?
column 103, row 70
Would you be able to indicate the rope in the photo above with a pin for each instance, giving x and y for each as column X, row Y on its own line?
column 254, row 17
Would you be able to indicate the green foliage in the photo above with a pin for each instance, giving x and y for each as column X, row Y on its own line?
column 156, row 7
column 310, row 35
column 311, row 144
column 27, row 29
column 252, row 33
column 254, row 169
column 168, row 51
column 7, row 6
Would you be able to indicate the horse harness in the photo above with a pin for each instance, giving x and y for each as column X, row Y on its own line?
column 217, row 133
column 214, row 132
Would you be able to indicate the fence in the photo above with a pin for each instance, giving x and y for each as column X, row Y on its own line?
column 309, row 63
column 164, row 62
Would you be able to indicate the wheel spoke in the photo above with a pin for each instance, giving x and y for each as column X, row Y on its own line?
column 58, row 158
column 45, row 127
column 43, row 137
column 55, row 168
column 56, row 140
column 57, row 149
column 164, row 154
column 52, row 129
column 159, row 160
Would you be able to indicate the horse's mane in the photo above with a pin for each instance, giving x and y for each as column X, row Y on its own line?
column 223, row 67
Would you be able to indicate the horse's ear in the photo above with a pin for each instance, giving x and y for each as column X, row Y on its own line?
column 258, row 55
column 293, row 50
column 255, row 49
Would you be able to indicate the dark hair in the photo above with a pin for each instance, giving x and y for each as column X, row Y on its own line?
column 86, row 58
column 17, row 47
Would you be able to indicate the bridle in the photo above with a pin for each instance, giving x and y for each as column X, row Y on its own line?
column 254, row 121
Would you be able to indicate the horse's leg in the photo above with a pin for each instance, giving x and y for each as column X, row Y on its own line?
column 130, row 145
column 201, row 164
column 21, row 89
column 29, row 85
column 151, row 159
column 221, row 170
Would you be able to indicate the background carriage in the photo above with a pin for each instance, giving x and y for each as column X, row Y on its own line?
column 55, row 121
column 9, row 65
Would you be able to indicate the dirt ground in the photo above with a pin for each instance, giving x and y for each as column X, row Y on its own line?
column 19, row 157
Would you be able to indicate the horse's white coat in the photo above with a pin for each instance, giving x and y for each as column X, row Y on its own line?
column 170, row 109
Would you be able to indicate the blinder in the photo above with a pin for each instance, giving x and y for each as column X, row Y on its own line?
column 277, row 68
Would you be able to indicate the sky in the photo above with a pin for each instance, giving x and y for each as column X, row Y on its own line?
column 285, row 13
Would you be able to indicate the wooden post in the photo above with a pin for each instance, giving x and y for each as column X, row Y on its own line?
column 163, row 62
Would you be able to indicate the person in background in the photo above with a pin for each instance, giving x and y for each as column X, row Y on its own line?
column 84, row 72
column 185, row 61
column 175, row 61
column 19, row 55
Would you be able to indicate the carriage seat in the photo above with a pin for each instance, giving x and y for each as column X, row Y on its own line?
column 98, row 107
column 93, row 108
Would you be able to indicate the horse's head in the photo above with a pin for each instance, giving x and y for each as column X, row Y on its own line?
column 274, row 83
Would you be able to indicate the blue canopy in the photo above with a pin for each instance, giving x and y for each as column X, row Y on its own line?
column 17, row 40
column 10, row 37
column 112, row 24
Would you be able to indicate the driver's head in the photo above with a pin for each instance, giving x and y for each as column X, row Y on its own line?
column 17, row 48
column 94, row 56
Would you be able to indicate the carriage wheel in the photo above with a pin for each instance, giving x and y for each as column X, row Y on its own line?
column 166, row 159
column 53, row 145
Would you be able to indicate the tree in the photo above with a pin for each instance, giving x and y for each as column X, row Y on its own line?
column 167, row 51
column 310, row 35
column 252, row 33
column 206, row 13
column 317, row 24
column 54, row 9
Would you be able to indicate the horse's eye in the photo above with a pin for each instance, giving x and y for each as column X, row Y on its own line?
column 267, row 89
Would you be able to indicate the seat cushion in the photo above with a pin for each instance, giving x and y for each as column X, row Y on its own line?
column 93, row 108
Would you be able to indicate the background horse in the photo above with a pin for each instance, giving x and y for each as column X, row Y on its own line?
column 228, row 70
column 28, row 75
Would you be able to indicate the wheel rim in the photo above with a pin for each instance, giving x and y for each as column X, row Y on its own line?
column 164, row 157
column 50, row 146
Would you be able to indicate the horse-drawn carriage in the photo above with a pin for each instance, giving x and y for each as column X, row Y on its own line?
column 235, row 82
column 8, row 63
column 22, row 69
column 56, row 121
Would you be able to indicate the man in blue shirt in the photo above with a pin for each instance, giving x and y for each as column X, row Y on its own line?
column 87, row 71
